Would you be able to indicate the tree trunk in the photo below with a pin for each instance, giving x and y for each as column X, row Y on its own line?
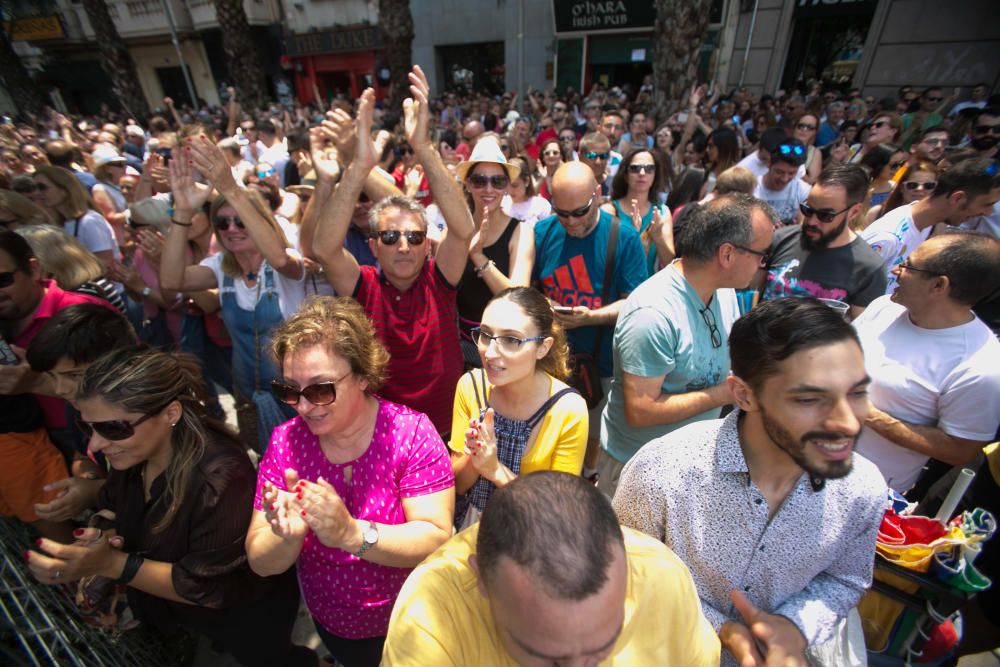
column 679, row 32
column 22, row 89
column 397, row 34
column 242, row 57
column 116, row 60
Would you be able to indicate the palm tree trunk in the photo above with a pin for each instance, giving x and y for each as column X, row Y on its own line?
column 679, row 32
column 397, row 29
column 242, row 58
column 116, row 60
column 22, row 89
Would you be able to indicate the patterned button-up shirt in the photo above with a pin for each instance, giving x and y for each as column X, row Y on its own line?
column 810, row 562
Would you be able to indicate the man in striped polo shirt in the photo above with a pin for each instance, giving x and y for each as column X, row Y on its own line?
column 410, row 297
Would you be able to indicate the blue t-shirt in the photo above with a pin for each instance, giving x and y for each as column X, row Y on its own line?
column 661, row 331
column 570, row 271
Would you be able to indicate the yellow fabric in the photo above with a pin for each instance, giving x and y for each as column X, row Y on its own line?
column 992, row 452
column 561, row 437
column 441, row 619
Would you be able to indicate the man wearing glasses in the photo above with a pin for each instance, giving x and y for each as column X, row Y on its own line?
column 930, row 147
column 822, row 256
column 935, row 367
column 670, row 344
column 781, row 186
column 595, row 152
column 984, row 134
column 571, row 251
column 967, row 190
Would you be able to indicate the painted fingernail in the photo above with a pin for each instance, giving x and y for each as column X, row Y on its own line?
column 299, row 495
column 78, row 532
column 38, row 541
column 303, row 512
column 272, row 507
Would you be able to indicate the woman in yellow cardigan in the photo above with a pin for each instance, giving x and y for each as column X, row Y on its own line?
column 516, row 414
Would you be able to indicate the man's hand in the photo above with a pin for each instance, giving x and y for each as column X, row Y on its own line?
column 782, row 640
column 579, row 316
column 416, row 110
column 367, row 155
column 15, row 379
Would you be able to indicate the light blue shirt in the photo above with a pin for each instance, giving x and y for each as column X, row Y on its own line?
column 661, row 331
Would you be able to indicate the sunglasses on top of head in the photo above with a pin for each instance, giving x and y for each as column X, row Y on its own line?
column 498, row 181
column 788, row 149
column 392, row 236
column 264, row 173
column 116, row 429
column 222, row 222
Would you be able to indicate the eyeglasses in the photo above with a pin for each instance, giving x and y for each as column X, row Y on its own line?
column 914, row 185
column 762, row 255
column 508, row 344
column 222, row 223
column 405, row 150
column 479, row 181
column 321, row 393
column 987, row 129
column 936, row 98
column 117, row 429
column 642, row 168
column 591, row 155
column 879, row 123
column 391, row 236
column 905, row 264
column 823, row 215
column 805, row 127
column 713, row 330
column 7, row 278
column 551, row 153
column 788, row 149
column 264, row 173
column 937, row 142
column 575, row 213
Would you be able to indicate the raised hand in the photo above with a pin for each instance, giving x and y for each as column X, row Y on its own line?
column 188, row 194
column 416, row 110
column 210, row 161
column 476, row 253
column 324, row 164
column 366, row 155
column 339, row 128
column 481, row 445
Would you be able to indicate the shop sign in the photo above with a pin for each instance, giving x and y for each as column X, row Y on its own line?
column 32, row 29
column 334, row 41
column 597, row 15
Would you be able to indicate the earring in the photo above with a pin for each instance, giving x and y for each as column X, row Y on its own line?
column 173, row 425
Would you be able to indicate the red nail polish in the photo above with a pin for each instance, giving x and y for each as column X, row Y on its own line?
column 38, row 541
column 27, row 555
column 78, row 532
column 298, row 495
column 272, row 507
column 303, row 512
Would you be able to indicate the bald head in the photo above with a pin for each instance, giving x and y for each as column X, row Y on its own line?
column 574, row 176
column 472, row 130
column 575, row 198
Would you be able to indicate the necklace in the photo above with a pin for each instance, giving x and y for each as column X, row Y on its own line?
column 251, row 276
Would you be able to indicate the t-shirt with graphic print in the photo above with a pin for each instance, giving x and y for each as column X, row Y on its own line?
column 894, row 236
column 850, row 273
column 570, row 271
column 785, row 202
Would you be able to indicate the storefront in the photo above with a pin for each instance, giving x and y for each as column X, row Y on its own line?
column 342, row 60
column 827, row 42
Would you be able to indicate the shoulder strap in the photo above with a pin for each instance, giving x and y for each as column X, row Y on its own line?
column 76, row 228
column 609, row 272
column 475, row 388
column 537, row 417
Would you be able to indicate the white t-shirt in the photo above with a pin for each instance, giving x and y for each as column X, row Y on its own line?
column 94, row 232
column 894, row 237
column 754, row 164
column 290, row 291
column 785, row 202
column 530, row 210
column 948, row 378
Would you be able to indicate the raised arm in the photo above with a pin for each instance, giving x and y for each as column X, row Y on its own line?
column 189, row 196
column 327, row 171
column 453, row 252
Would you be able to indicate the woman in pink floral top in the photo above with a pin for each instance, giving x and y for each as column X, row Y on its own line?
column 355, row 490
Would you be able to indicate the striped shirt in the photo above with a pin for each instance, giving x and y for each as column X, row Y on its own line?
column 419, row 327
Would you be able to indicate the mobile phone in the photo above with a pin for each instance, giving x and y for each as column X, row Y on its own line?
column 7, row 356
column 563, row 310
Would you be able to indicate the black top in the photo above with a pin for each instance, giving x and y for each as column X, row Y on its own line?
column 473, row 292
column 20, row 413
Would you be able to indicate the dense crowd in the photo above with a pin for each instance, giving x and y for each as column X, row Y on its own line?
column 551, row 386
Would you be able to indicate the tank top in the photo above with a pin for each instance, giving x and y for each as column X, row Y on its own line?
column 473, row 292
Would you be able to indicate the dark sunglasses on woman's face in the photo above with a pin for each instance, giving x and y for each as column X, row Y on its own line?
column 913, row 185
column 479, row 181
column 642, row 168
column 321, row 393
column 405, row 150
column 116, row 429
column 392, row 236
column 222, row 223
column 805, row 127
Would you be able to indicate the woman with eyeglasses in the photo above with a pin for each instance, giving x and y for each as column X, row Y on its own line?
column 635, row 201
column 516, row 415
column 916, row 182
column 550, row 158
column 356, row 490
column 882, row 162
column 884, row 129
column 174, row 512
column 16, row 211
column 58, row 191
column 502, row 252
column 522, row 203
column 260, row 279
column 804, row 129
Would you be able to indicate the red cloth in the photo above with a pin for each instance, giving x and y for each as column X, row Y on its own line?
column 54, row 300
column 423, row 195
column 419, row 328
column 463, row 150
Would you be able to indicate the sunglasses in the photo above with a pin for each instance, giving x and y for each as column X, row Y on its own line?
column 935, row 99
column 222, row 223
column 265, row 173
column 575, row 213
column 391, row 236
column 116, row 429
column 40, row 187
column 642, row 169
column 479, row 181
column 805, row 127
column 7, row 278
column 321, row 393
column 788, row 149
column 591, row 155
column 404, row 151
column 913, row 185
column 823, row 215
column 713, row 329
column 880, row 123
column 567, row 139
column 987, row 129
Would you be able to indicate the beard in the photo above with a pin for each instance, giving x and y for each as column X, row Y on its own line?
column 797, row 450
column 823, row 240
column 985, row 143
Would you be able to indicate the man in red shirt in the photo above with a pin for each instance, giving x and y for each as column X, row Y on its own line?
column 409, row 298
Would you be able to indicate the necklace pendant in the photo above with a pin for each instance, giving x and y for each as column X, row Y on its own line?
column 251, row 276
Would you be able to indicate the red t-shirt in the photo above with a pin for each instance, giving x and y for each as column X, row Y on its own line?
column 54, row 300
column 419, row 327
column 423, row 192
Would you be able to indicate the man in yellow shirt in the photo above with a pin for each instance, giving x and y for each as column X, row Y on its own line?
column 548, row 577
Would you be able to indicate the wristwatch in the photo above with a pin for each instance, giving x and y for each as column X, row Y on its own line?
column 369, row 535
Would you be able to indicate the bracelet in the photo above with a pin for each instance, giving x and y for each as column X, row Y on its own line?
column 180, row 224
column 484, row 267
column 132, row 565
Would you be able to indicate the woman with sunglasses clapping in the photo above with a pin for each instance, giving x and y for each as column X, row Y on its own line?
column 635, row 200
column 356, row 490
column 260, row 279
column 174, row 512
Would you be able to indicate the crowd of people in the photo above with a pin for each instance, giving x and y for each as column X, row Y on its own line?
column 552, row 386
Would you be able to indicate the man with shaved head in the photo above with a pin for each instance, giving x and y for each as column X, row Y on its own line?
column 587, row 264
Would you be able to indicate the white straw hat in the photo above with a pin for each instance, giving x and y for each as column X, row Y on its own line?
column 487, row 150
